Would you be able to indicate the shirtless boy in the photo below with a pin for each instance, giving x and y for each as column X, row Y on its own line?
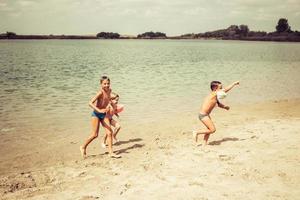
column 100, row 105
column 208, row 105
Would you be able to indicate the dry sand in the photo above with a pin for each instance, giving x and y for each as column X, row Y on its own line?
column 253, row 155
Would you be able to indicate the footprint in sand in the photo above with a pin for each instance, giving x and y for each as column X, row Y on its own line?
column 146, row 167
column 18, row 182
column 115, row 174
column 282, row 175
column 168, row 153
column 127, row 186
column 82, row 174
column 160, row 177
column 89, row 198
column 225, row 157
column 93, row 164
column 195, row 183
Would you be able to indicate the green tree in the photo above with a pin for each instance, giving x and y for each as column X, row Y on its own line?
column 243, row 30
column 10, row 34
column 152, row 34
column 108, row 35
column 283, row 26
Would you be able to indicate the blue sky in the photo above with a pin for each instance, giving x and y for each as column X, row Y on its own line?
column 131, row 17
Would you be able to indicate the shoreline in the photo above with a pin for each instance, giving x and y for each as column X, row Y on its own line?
column 247, row 40
column 78, row 37
column 239, row 113
column 254, row 145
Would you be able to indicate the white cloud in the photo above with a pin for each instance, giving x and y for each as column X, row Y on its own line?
column 25, row 2
column 132, row 16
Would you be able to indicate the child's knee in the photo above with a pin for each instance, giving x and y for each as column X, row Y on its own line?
column 212, row 130
column 94, row 135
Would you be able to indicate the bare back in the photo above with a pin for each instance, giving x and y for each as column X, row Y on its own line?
column 209, row 103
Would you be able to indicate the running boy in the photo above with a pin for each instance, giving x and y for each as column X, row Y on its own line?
column 208, row 105
column 100, row 105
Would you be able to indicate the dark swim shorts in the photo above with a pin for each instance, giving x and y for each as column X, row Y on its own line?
column 100, row 116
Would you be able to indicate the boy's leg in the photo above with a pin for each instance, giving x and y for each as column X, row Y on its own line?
column 205, row 138
column 210, row 129
column 106, row 125
column 103, row 144
column 95, row 131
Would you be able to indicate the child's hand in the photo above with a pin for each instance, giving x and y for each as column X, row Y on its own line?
column 107, row 109
column 226, row 107
column 236, row 83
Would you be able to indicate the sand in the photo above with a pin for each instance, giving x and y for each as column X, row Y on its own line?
column 254, row 154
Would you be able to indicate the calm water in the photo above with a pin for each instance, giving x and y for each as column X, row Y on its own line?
column 46, row 85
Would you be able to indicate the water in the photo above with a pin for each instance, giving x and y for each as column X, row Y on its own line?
column 46, row 85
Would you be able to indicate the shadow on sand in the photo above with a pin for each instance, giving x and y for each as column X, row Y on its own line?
column 128, row 141
column 218, row 142
column 125, row 150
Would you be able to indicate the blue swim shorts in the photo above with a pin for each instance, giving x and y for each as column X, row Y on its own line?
column 100, row 116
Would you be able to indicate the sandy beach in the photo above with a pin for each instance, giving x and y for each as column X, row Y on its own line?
column 253, row 155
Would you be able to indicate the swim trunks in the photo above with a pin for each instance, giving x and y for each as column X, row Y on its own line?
column 100, row 116
column 201, row 116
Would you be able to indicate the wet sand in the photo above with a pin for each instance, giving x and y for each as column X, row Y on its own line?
column 254, row 154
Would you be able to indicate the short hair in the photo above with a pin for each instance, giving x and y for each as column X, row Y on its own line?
column 214, row 85
column 104, row 78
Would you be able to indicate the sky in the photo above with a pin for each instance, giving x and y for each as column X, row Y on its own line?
column 132, row 17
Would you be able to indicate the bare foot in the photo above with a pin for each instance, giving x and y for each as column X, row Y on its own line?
column 82, row 151
column 204, row 143
column 115, row 139
column 103, row 145
column 204, row 147
column 113, row 155
column 205, row 150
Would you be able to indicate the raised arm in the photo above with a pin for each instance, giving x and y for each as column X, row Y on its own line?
column 93, row 101
column 229, row 87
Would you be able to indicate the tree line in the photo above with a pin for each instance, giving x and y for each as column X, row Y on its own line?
column 283, row 32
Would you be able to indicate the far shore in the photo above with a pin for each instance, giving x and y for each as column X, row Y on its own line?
column 283, row 33
column 279, row 38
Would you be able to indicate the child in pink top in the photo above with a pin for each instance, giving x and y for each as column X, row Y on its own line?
column 114, row 109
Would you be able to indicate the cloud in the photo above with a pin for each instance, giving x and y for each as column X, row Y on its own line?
column 171, row 16
column 25, row 2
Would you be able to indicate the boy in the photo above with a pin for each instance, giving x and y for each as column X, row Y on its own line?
column 100, row 105
column 208, row 105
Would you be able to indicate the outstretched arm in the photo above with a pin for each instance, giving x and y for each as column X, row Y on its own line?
column 229, row 87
